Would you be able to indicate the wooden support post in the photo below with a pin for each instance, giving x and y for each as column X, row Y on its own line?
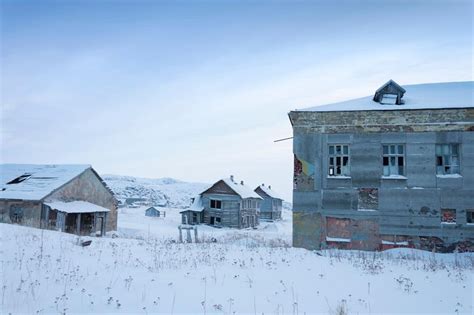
column 196, row 234
column 188, row 236
column 78, row 224
column 180, row 234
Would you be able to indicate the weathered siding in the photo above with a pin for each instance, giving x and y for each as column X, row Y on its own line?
column 270, row 208
column 31, row 211
column 404, row 207
column 88, row 187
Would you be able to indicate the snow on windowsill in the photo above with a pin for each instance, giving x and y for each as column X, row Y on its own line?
column 339, row 177
column 394, row 177
column 449, row 176
column 404, row 243
column 367, row 210
column 338, row 239
column 470, row 224
column 448, row 223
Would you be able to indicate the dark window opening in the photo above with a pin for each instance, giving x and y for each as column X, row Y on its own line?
column 470, row 216
column 216, row 204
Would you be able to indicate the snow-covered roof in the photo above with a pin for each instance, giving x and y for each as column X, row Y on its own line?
column 269, row 191
column 196, row 205
column 419, row 96
column 76, row 207
column 241, row 189
column 34, row 182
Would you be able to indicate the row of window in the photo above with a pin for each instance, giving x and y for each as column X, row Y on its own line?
column 449, row 216
column 247, row 204
column 393, row 159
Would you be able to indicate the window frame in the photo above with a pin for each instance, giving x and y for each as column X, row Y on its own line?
column 470, row 216
column 216, row 202
column 395, row 155
column 454, row 169
column 333, row 158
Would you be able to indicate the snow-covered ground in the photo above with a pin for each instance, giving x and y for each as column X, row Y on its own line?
column 146, row 271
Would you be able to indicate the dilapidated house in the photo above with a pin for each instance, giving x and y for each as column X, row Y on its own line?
column 69, row 198
column 270, row 208
column 388, row 170
column 227, row 203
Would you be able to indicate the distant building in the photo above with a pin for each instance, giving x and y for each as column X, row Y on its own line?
column 389, row 170
column 271, row 205
column 152, row 212
column 69, row 198
column 227, row 203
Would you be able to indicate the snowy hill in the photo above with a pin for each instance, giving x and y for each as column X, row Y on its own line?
column 166, row 192
column 157, row 192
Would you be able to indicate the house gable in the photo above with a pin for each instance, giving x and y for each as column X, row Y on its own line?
column 220, row 188
column 88, row 186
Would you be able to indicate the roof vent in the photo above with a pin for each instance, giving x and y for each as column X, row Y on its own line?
column 389, row 94
column 263, row 185
column 231, row 178
column 242, row 182
column 269, row 187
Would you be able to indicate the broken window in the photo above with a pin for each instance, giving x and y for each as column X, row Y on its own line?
column 218, row 220
column 19, row 179
column 389, row 99
column 16, row 214
column 338, row 160
column 470, row 216
column 447, row 159
column 393, row 159
column 448, row 216
column 195, row 217
column 216, row 204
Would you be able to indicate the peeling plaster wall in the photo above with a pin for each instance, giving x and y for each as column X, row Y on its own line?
column 406, row 208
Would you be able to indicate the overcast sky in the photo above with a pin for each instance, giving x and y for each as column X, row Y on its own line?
column 199, row 90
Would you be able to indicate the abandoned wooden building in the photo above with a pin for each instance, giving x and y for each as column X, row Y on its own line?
column 389, row 170
column 271, row 205
column 68, row 198
column 227, row 203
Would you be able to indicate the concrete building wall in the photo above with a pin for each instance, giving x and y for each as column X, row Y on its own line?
column 404, row 208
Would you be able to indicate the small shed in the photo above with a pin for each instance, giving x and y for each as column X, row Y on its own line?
column 152, row 212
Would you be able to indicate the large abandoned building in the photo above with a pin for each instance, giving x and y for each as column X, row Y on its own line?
column 227, row 203
column 68, row 198
column 389, row 170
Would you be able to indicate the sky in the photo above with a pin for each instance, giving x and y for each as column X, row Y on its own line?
column 199, row 90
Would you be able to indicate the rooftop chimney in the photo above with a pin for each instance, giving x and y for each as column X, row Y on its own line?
column 241, row 182
column 231, row 178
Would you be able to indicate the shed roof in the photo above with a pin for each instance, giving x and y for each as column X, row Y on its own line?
column 76, row 207
column 270, row 192
column 419, row 96
column 34, row 182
